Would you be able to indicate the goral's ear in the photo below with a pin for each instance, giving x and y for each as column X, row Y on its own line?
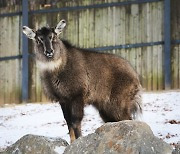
column 29, row 32
column 60, row 26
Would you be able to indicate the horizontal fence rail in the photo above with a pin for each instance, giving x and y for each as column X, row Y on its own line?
column 10, row 58
column 105, row 48
column 76, row 8
column 175, row 41
column 10, row 14
column 126, row 46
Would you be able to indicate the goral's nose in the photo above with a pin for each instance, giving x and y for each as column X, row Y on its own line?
column 49, row 53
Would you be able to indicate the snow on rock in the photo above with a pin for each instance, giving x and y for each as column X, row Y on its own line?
column 59, row 150
column 161, row 112
column 32, row 144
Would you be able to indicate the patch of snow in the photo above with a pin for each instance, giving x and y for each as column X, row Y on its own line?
column 159, row 109
column 60, row 149
column 161, row 112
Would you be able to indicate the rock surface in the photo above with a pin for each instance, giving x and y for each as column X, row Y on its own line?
column 125, row 137
column 33, row 144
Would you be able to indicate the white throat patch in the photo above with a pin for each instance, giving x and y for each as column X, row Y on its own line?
column 49, row 66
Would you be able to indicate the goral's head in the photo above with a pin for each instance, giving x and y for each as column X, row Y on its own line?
column 46, row 41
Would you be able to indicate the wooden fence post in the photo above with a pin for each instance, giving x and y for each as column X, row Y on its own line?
column 167, row 44
column 25, row 55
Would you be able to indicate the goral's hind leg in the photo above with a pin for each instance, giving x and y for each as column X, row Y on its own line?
column 106, row 117
column 115, row 114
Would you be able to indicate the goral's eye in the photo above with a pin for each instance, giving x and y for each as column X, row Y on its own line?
column 39, row 39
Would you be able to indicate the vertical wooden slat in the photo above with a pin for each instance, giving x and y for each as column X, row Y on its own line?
column 91, row 29
column 98, row 29
column 160, row 49
column 80, row 28
column 154, row 48
column 149, row 52
column 122, row 30
column 178, row 83
column 138, row 40
column 178, row 37
column 175, row 29
column 175, row 67
column 143, row 39
column 127, row 29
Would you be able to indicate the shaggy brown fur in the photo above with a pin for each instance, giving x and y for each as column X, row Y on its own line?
column 75, row 77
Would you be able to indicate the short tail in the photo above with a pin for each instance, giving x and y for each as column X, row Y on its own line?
column 136, row 112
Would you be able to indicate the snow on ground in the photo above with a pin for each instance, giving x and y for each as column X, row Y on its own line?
column 161, row 112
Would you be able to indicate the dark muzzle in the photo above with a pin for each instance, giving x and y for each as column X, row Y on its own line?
column 49, row 53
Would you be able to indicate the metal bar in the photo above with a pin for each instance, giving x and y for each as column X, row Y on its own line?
column 10, row 14
column 75, row 8
column 167, row 44
column 10, row 58
column 126, row 46
column 25, row 58
column 175, row 41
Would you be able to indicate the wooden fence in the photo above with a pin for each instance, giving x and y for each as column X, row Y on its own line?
column 134, row 30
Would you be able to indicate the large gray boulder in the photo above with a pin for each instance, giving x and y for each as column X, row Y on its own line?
column 125, row 137
column 33, row 144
